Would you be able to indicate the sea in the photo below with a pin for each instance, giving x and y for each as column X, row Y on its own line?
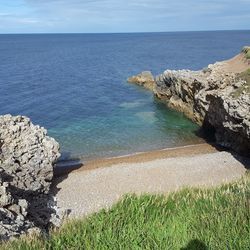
column 75, row 85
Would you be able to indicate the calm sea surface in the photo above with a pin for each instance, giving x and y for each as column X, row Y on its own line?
column 75, row 86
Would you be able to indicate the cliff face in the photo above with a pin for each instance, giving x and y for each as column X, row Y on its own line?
column 27, row 157
column 231, row 119
column 216, row 97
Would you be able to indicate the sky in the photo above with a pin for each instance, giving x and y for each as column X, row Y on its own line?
column 101, row 16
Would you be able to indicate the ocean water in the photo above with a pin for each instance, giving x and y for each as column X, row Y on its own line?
column 75, row 86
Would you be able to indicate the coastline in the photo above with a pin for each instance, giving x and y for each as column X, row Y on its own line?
column 65, row 167
column 40, row 187
column 100, row 183
column 104, row 182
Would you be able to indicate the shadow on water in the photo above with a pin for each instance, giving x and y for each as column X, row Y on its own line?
column 195, row 245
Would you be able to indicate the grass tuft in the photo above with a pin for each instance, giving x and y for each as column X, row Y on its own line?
column 246, row 51
column 216, row 218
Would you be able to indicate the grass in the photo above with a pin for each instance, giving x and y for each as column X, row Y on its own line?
column 190, row 219
column 246, row 50
column 245, row 87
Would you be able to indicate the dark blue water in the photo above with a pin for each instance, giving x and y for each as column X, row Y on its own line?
column 75, row 86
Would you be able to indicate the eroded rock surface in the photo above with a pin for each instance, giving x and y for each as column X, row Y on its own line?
column 27, row 158
column 145, row 79
column 231, row 119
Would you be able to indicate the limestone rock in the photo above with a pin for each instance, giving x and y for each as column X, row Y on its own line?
column 27, row 153
column 27, row 158
column 231, row 120
column 145, row 79
column 206, row 97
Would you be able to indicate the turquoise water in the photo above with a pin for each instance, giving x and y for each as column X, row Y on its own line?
column 75, row 86
column 133, row 126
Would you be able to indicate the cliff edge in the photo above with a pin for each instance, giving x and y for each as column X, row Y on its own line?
column 217, row 98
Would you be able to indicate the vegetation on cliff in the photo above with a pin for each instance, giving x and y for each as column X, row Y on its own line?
column 246, row 50
column 216, row 218
column 246, row 86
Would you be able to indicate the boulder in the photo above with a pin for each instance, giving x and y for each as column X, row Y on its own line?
column 27, row 158
column 27, row 153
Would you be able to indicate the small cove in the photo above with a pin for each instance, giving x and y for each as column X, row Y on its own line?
column 75, row 86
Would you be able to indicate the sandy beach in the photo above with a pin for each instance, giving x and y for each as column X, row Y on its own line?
column 139, row 157
column 99, row 184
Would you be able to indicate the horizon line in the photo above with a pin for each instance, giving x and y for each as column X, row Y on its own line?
column 125, row 32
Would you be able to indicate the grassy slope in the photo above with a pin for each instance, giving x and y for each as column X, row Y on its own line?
column 246, row 50
column 244, row 76
column 191, row 219
column 245, row 87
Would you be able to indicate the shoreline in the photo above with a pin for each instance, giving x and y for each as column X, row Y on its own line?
column 85, row 191
column 65, row 167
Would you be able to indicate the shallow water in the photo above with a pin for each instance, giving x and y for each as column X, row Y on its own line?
column 75, row 86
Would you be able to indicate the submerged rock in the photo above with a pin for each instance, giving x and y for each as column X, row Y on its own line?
column 145, row 79
column 27, row 158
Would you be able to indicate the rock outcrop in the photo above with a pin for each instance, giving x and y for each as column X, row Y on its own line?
column 27, row 158
column 230, row 119
column 216, row 97
column 145, row 79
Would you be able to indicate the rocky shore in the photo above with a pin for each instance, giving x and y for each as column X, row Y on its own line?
column 27, row 158
column 217, row 98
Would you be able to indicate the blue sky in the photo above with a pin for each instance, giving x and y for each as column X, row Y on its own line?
column 45, row 16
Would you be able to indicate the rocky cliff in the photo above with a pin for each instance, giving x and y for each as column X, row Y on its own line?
column 217, row 98
column 27, row 158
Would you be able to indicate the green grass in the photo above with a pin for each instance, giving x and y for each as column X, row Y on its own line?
column 190, row 219
column 245, row 87
column 248, row 55
column 244, row 76
column 246, row 50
